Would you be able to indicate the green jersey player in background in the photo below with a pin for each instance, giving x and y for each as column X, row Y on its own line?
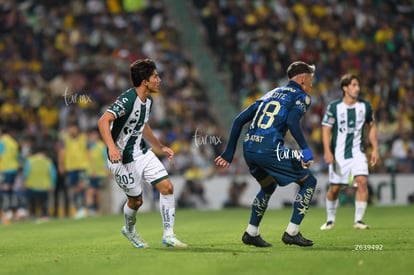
column 124, row 127
column 343, row 133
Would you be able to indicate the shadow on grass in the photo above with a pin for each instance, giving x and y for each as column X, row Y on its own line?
column 216, row 249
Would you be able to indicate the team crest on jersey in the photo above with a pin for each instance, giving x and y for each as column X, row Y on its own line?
column 302, row 105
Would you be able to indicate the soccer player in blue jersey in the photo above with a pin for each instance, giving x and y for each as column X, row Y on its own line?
column 269, row 161
column 124, row 127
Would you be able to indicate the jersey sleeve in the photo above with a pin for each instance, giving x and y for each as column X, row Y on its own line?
column 122, row 106
column 238, row 123
column 329, row 117
column 302, row 103
column 369, row 116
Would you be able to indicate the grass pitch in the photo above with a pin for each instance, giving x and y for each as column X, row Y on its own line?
column 96, row 245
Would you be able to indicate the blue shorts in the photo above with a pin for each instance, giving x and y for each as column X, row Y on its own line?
column 97, row 182
column 283, row 170
column 9, row 177
column 74, row 177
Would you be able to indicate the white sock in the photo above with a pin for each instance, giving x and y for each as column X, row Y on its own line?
column 331, row 207
column 130, row 217
column 252, row 230
column 167, row 209
column 292, row 229
column 360, row 207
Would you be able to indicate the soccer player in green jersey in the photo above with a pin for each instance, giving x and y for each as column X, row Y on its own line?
column 343, row 132
column 124, row 127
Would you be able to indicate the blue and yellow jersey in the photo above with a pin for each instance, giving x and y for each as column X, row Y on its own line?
column 98, row 159
column 9, row 154
column 76, row 152
column 269, row 120
column 39, row 173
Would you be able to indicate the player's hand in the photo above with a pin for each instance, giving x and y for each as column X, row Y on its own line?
column 329, row 158
column 114, row 155
column 168, row 152
column 307, row 158
column 219, row 161
column 374, row 157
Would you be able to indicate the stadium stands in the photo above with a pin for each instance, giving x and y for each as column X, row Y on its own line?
column 67, row 60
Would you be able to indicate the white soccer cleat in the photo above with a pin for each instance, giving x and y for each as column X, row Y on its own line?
column 134, row 238
column 328, row 225
column 81, row 214
column 360, row 225
column 172, row 241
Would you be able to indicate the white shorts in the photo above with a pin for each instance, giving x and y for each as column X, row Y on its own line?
column 130, row 177
column 344, row 171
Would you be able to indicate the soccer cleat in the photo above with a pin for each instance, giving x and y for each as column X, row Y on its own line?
column 256, row 241
column 328, row 225
column 360, row 225
column 135, row 239
column 172, row 241
column 298, row 239
column 80, row 214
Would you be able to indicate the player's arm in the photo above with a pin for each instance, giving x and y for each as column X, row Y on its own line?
column 149, row 136
column 104, row 123
column 372, row 136
column 326, row 142
column 225, row 159
column 293, row 123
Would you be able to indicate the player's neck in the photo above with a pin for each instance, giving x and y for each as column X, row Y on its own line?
column 349, row 101
column 142, row 93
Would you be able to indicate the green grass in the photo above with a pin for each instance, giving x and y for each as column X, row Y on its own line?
column 96, row 246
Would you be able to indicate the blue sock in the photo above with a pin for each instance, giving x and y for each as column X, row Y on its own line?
column 303, row 199
column 260, row 202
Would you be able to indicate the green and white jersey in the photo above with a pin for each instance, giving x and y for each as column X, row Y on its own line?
column 347, row 124
column 131, row 114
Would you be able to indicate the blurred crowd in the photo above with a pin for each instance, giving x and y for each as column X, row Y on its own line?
column 66, row 61
column 255, row 41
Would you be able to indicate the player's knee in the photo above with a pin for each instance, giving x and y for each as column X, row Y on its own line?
column 309, row 181
column 135, row 202
column 165, row 187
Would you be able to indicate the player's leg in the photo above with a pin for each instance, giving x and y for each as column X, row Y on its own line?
column 79, row 193
column 155, row 173
column 6, row 191
column 300, row 208
column 256, row 163
column 130, row 211
column 361, row 202
column 91, row 192
column 332, row 203
column 128, row 177
column 167, row 209
column 339, row 173
column 258, row 209
column 360, row 172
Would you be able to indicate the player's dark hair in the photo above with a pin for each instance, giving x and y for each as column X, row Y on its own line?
column 346, row 80
column 299, row 67
column 141, row 69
